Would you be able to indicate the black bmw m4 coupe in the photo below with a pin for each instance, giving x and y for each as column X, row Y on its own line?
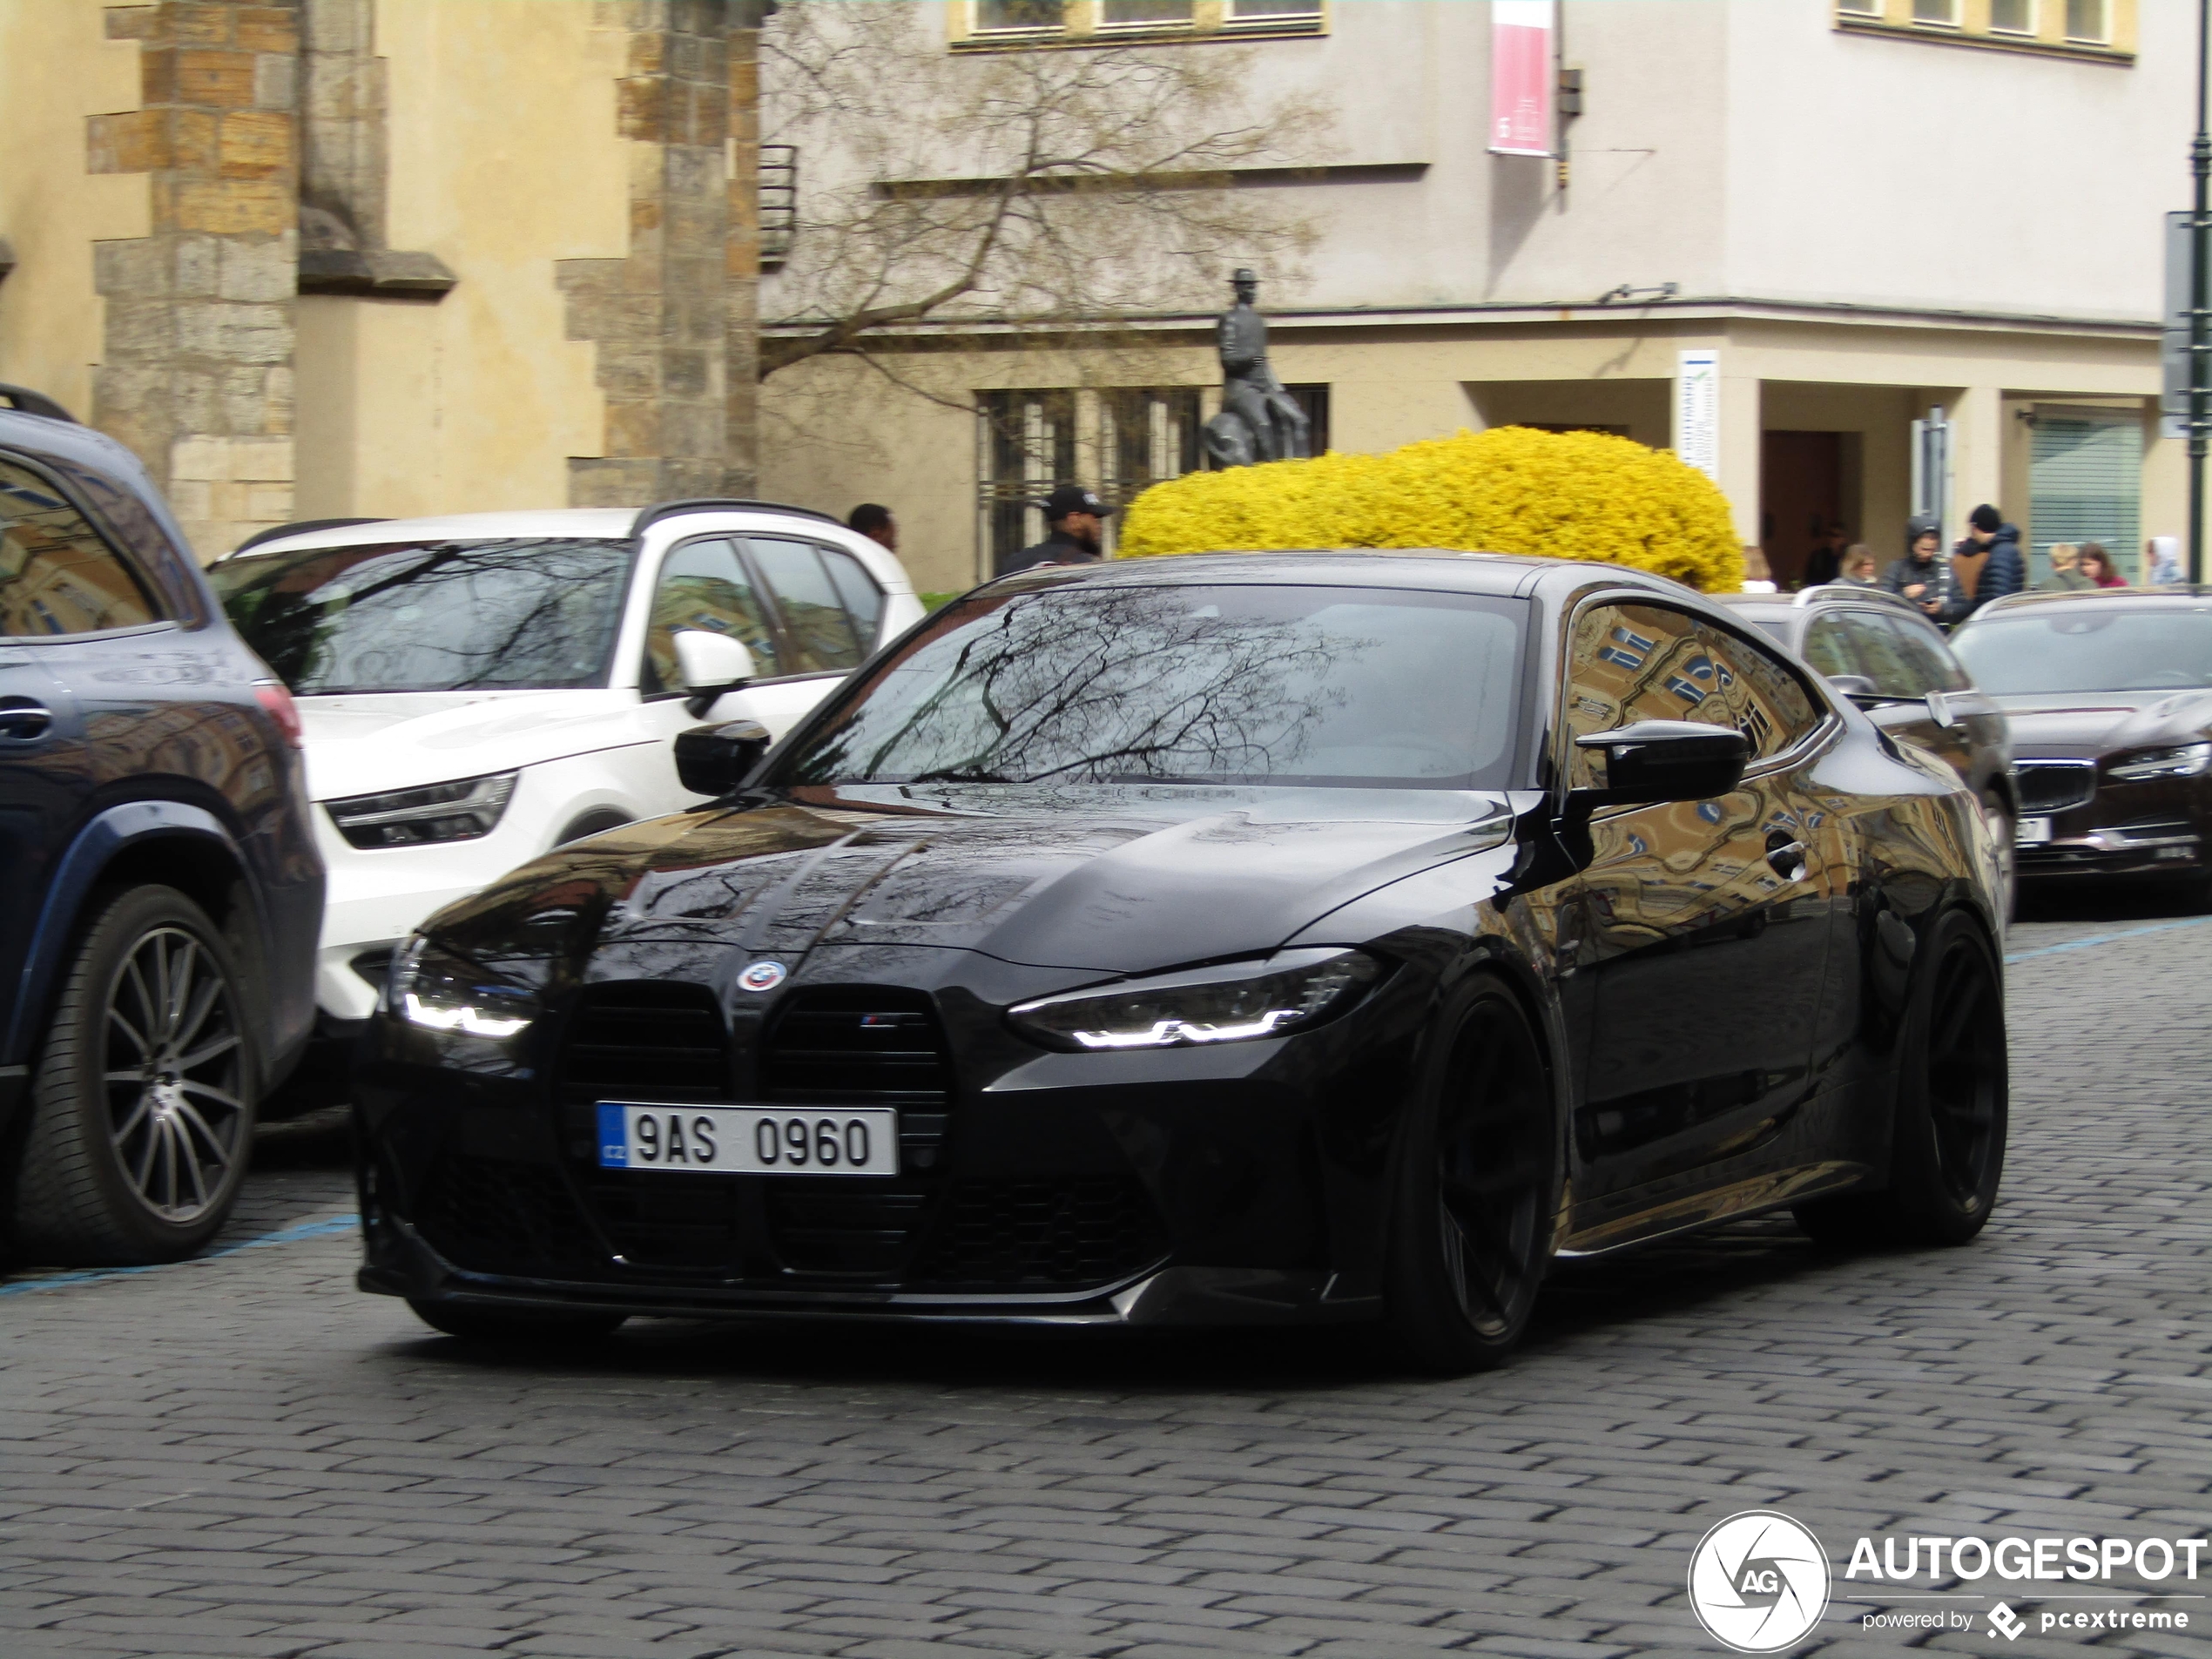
column 1263, row 938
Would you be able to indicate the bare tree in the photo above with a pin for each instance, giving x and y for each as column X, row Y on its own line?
column 1078, row 187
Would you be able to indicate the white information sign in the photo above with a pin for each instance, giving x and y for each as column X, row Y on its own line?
column 1697, row 410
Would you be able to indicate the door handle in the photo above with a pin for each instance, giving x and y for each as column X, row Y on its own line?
column 1787, row 856
column 23, row 720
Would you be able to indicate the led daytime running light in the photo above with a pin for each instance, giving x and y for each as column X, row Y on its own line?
column 1240, row 1002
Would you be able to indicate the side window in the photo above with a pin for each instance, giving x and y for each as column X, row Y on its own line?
column 57, row 576
column 1828, row 648
column 863, row 599
column 1631, row 663
column 1881, row 648
column 704, row 585
column 820, row 632
column 1939, row 669
column 1772, row 706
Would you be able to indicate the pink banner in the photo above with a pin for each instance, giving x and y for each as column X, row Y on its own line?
column 1522, row 77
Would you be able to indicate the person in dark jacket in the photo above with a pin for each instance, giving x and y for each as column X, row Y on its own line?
column 1077, row 520
column 1985, row 565
column 1919, row 575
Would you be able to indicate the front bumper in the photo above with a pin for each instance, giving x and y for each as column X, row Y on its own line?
column 2152, row 827
column 1242, row 1185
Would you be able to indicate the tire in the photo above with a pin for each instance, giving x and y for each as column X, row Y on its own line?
column 141, row 1102
column 592, row 823
column 517, row 1328
column 1476, row 1194
column 1952, row 1111
column 2002, row 829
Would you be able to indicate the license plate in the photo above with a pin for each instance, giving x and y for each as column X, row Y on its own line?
column 2176, row 852
column 2032, row 832
column 748, row 1140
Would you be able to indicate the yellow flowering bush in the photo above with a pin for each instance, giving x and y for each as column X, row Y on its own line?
column 1511, row 489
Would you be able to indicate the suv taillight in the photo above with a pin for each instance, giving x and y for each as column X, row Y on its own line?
column 272, row 696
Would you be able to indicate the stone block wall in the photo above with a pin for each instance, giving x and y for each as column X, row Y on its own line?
column 196, row 370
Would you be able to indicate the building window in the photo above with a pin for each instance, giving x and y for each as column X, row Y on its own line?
column 1001, row 25
column 1314, row 399
column 1017, row 17
column 2088, row 21
column 1146, row 14
column 1267, row 12
column 779, row 202
column 2096, row 30
column 1028, row 446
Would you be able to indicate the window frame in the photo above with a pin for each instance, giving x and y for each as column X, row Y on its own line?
column 1823, row 732
column 1971, row 25
column 786, row 639
column 1081, row 23
column 1103, row 26
column 158, row 601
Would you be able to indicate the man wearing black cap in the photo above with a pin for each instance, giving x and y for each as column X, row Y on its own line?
column 1986, row 564
column 1077, row 519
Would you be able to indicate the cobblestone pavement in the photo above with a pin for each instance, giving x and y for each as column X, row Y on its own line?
column 243, row 1457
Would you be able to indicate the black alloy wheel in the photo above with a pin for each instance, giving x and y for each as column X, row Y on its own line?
column 1953, row 1109
column 143, row 1100
column 1477, row 1193
column 513, row 1328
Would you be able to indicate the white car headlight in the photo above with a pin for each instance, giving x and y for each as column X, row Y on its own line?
column 454, row 812
column 2186, row 761
column 441, row 990
column 1232, row 1003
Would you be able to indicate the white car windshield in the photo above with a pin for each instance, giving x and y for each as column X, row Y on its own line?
column 431, row 616
column 1348, row 687
column 2107, row 647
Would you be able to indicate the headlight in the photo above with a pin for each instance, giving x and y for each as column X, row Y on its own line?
column 456, row 811
column 1288, row 991
column 2187, row 761
column 441, row 990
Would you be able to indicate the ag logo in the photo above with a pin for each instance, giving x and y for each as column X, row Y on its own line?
column 763, row 976
column 1758, row 1581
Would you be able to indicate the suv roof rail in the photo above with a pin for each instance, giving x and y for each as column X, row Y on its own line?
column 1850, row 592
column 23, row 400
column 280, row 531
column 648, row 516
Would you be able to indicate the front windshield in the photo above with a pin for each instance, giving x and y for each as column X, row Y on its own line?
column 2154, row 649
column 431, row 616
column 1229, row 684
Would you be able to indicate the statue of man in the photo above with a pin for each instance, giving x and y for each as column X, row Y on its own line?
column 1249, row 388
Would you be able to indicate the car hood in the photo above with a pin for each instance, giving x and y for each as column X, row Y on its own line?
column 2084, row 725
column 365, row 742
column 1116, row 881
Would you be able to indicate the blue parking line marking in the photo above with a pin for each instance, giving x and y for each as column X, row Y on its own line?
column 2107, row 939
column 323, row 1228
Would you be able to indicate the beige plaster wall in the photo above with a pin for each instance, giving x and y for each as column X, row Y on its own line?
column 503, row 160
column 57, row 68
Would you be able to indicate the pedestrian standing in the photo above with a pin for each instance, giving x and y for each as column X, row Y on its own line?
column 1859, row 567
column 2162, row 562
column 2066, row 570
column 1825, row 561
column 873, row 521
column 1919, row 576
column 1076, row 520
column 2097, row 565
column 1985, row 565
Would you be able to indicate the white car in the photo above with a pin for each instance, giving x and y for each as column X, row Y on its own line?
column 477, row 689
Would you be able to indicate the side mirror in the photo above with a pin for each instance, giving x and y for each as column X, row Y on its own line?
column 1854, row 687
column 709, row 666
column 1655, row 760
column 715, row 760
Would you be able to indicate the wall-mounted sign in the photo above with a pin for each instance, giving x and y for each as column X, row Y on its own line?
column 1522, row 76
column 1697, row 410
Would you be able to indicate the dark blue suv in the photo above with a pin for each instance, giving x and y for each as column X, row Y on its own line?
column 163, row 893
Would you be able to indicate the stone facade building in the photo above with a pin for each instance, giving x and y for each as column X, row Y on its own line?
column 376, row 257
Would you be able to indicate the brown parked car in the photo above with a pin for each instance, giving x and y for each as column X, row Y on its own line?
column 2110, row 695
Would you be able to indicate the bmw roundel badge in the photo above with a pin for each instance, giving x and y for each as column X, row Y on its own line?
column 763, row 976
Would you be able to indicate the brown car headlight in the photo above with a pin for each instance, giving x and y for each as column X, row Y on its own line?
column 2186, row 760
column 1235, row 1003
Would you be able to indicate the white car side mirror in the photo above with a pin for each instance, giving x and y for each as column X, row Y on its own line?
column 710, row 665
